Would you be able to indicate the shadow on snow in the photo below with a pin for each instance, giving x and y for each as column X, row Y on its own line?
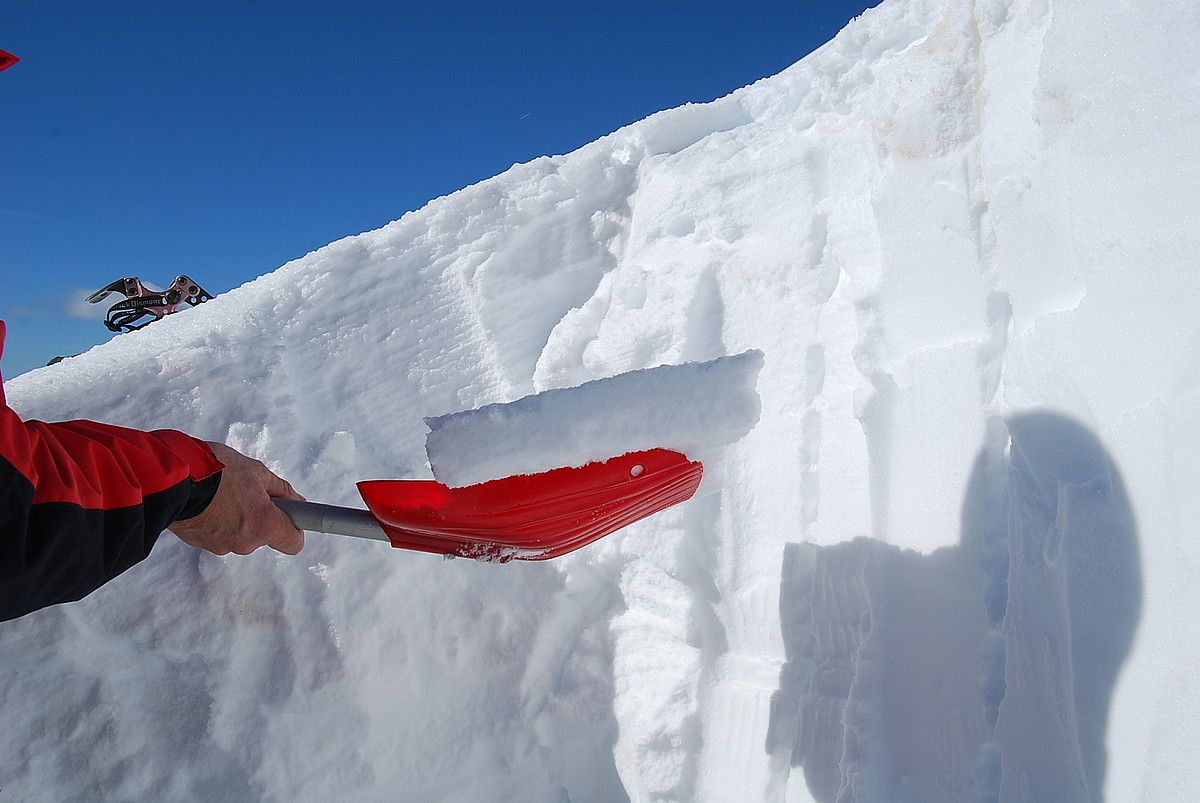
column 980, row 671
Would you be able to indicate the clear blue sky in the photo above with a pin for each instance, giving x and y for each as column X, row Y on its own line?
column 221, row 139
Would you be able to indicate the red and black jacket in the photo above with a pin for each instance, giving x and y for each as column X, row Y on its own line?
column 81, row 502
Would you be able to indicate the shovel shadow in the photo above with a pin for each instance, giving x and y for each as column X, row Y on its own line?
column 983, row 671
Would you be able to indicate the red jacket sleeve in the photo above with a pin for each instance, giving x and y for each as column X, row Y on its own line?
column 81, row 502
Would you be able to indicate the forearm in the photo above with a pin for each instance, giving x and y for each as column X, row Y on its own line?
column 82, row 502
column 60, row 552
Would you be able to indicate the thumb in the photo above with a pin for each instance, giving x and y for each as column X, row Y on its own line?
column 285, row 537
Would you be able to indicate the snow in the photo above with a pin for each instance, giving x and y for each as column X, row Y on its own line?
column 953, row 559
column 695, row 408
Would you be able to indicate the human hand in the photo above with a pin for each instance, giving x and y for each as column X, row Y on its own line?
column 241, row 517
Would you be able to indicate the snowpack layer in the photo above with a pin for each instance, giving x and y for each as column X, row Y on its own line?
column 696, row 408
column 954, row 559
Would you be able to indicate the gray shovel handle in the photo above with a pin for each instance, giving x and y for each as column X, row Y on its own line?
column 318, row 518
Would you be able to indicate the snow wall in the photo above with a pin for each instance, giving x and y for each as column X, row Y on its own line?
column 956, row 559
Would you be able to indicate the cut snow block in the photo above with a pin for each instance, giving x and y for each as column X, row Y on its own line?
column 694, row 408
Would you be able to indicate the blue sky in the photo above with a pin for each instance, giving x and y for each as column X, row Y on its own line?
column 221, row 139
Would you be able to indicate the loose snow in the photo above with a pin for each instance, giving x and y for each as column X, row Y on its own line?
column 954, row 559
column 695, row 408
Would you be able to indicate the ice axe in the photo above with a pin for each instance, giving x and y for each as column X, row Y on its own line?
column 526, row 517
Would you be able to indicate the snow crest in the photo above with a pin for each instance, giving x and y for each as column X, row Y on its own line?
column 953, row 559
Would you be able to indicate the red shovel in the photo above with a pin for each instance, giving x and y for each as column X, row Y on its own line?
column 529, row 517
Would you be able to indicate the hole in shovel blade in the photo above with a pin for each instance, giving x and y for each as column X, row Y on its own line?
column 535, row 516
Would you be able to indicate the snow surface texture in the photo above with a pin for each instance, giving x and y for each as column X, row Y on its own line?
column 956, row 557
column 696, row 408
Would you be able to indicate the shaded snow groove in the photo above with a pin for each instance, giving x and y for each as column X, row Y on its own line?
column 990, row 354
column 697, row 558
column 981, row 671
column 874, row 408
column 826, row 271
column 810, row 439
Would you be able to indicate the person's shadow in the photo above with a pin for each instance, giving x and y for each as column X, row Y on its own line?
column 982, row 671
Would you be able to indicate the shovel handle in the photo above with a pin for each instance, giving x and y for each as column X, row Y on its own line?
column 318, row 518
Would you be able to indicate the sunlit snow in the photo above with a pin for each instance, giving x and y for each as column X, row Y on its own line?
column 955, row 559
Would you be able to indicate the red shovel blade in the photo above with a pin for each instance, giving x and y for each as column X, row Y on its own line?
column 534, row 516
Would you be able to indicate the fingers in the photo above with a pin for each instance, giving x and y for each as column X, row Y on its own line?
column 241, row 517
column 263, row 524
column 290, row 542
column 283, row 535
